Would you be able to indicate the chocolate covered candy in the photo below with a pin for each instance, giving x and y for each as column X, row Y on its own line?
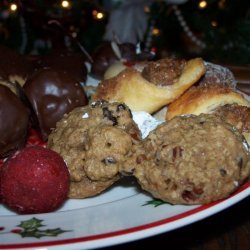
column 52, row 93
column 14, row 117
column 69, row 62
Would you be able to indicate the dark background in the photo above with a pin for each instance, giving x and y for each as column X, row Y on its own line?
column 223, row 26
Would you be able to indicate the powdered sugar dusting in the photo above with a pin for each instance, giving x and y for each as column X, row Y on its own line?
column 85, row 116
column 217, row 74
column 145, row 122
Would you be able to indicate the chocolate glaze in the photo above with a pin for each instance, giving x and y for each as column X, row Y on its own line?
column 3, row 75
column 53, row 93
column 14, row 64
column 69, row 62
column 14, row 117
column 104, row 56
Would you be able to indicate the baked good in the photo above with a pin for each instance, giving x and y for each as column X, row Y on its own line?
column 191, row 160
column 238, row 116
column 132, row 88
column 218, row 74
column 14, row 117
column 52, row 93
column 204, row 99
column 107, row 147
column 114, row 69
column 94, row 140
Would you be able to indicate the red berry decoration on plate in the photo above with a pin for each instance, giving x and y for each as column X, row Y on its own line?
column 34, row 180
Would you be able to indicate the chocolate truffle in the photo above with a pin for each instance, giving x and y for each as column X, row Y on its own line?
column 15, row 66
column 14, row 117
column 67, row 61
column 104, row 56
column 53, row 93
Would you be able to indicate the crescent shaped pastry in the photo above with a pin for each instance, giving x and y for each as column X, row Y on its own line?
column 204, row 99
column 140, row 94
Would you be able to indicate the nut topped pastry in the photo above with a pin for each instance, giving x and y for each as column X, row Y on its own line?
column 164, row 72
column 169, row 80
column 94, row 140
column 191, row 160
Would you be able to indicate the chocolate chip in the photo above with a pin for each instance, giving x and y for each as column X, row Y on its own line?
column 120, row 107
column 108, row 114
column 240, row 163
column 223, row 172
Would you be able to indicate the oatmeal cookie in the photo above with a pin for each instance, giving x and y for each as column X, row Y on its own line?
column 93, row 140
column 238, row 116
column 191, row 160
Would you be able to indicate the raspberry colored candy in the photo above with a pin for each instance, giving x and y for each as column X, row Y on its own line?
column 34, row 180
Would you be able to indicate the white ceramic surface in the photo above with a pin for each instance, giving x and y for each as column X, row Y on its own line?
column 117, row 216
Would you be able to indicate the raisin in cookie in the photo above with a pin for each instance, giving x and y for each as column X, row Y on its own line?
column 94, row 140
column 191, row 160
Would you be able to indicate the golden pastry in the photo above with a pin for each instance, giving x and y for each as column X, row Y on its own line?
column 159, row 84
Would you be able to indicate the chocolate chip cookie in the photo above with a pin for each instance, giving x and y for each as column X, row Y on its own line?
column 94, row 140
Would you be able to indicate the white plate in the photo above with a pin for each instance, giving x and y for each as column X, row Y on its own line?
column 117, row 216
column 121, row 214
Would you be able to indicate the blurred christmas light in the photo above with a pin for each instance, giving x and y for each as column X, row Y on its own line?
column 13, row 7
column 98, row 15
column 156, row 32
column 65, row 4
column 74, row 34
column 146, row 9
column 202, row 4
column 153, row 50
column 222, row 4
column 214, row 23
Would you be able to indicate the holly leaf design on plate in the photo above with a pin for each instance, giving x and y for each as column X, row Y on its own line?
column 155, row 202
column 32, row 228
column 31, row 224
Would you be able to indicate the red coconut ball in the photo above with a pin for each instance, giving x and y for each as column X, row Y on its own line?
column 34, row 180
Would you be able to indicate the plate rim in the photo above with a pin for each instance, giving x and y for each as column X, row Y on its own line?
column 141, row 231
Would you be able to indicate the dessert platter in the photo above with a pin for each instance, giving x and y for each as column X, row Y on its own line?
column 99, row 156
